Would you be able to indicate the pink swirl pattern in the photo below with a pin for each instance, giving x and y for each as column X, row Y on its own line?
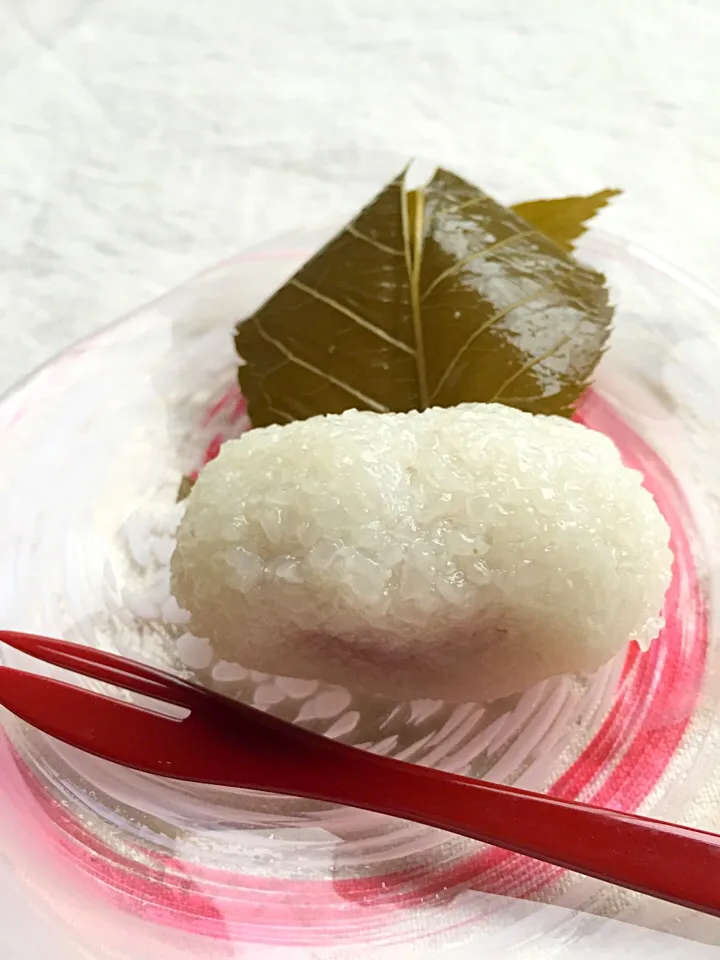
column 619, row 768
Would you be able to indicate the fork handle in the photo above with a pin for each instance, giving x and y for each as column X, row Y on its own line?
column 666, row 860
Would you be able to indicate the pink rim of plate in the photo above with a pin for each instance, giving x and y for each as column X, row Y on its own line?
column 619, row 768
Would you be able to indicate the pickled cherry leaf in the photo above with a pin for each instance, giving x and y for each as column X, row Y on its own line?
column 565, row 218
column 339, row 333
column 432, row 297
column 508, row 317
column 185, row 488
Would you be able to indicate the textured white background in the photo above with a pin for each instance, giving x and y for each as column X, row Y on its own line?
column 141, row 140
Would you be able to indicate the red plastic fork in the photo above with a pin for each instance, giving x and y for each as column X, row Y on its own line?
column 230, row 744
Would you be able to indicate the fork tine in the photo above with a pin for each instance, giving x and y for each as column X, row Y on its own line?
column 202, row 747
column 138, row 678
column 99, row 665
column 112, row 729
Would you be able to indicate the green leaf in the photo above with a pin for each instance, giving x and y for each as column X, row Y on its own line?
column 339, row 334
column 507, row 317
column 184, row 488
column 566, row 218
column 434, row 297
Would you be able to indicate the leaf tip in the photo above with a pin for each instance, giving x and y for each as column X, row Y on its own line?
column 184, row 489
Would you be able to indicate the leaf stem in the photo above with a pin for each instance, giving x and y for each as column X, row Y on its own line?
column 414, row 222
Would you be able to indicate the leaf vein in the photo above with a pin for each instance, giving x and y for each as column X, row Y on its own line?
column 311, row 368
column 413, row 240
column 489, row 323
column 478, row 255
column 355, row 317
column 534, row 361
column 358, row 234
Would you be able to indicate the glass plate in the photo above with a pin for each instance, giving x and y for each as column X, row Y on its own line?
column 105, row 862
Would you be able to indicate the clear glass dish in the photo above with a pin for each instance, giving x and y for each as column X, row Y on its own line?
column 94, row 446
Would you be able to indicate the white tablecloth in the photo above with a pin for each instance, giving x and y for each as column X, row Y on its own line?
column 141, row 140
